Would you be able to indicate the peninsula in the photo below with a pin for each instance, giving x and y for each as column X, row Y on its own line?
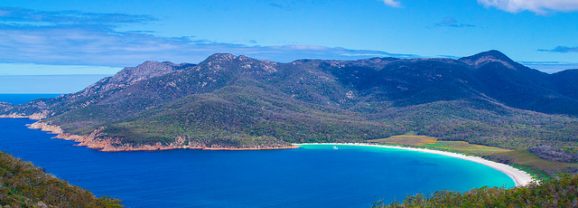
column 229, row 102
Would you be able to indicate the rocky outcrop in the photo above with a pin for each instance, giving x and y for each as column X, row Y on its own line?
column 94, row 141
column 34, row 116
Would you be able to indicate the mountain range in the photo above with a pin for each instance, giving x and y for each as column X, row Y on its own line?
column 229, row 101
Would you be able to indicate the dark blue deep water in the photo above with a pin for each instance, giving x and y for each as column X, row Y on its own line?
column 24, row 98
column 312, row 176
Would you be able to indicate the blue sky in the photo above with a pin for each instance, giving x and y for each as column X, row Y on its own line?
column 37, row 35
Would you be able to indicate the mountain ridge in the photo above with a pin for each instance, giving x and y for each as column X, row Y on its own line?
column 229, row 101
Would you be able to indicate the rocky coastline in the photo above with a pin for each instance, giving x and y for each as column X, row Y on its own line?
column 35, row 116
column 114, row 145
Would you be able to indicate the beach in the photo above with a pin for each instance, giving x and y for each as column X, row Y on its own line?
column 290, row 178
column 520, row 178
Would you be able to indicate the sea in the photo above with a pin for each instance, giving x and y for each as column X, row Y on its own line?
column 311, row 176
column 24, row 98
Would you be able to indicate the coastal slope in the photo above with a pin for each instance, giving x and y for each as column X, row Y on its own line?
column 23, row 185
column 560, row 192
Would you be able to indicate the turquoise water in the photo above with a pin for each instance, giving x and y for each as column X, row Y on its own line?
column 24, row 98
column 311, row 176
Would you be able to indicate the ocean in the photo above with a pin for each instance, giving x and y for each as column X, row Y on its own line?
column 320, row 176
column 24, row 98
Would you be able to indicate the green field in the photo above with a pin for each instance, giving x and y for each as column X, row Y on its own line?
column 539, row 168
column 434, row 143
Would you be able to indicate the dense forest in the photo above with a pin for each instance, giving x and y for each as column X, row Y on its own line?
column 561, row 192
column 23, row 185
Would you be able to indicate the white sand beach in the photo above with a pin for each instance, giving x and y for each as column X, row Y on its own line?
column 519, row 177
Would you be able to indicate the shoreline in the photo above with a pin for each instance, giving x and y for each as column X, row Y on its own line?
column 520, row 178
column 114, row 145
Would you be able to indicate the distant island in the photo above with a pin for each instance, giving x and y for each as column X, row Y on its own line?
column 229, row 102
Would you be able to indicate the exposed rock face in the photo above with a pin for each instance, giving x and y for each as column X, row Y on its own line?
column 129, row 76
column 4, row 108
column 34, row 116
column 492, row 56
column 95, row 140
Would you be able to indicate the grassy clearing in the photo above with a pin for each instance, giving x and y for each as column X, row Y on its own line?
column 536, row 166
column 407, row 140
column 434, row 143
column 466, row 148
column 522, row 159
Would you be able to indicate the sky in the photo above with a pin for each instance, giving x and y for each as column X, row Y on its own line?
column 100, row 37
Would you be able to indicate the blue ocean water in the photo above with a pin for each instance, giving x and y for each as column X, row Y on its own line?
column 317, row 176
column 24, row 98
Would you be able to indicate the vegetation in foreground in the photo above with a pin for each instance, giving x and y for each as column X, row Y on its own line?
column 561, row 192
column 539, row 168
column 23, row 185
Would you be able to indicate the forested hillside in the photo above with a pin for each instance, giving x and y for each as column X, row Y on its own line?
column 230, row 101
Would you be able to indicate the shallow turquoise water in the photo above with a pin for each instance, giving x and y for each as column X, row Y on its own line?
column 311, row 176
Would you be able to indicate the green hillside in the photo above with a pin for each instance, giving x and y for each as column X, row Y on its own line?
column 23, row 185
column 229, row 101
column 562, row 192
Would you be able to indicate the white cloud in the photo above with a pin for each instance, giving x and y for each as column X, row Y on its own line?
column 91, row 46
column 72, row 37
column 537, row 6
column 392, row 3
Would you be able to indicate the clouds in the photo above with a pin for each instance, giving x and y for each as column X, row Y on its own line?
column 514, row 6
column 561, row 49
column 537, row 6
column 28, row 17
column 453, row 23
column 72, row 37
column 19, row 69
column 550, row 66
column 112, row 48
column 392, row 3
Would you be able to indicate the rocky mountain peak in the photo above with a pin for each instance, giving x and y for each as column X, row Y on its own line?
column 146, row 70
column 492, row 56
column 220, row 57
column 220, row 61
column 4, row 105
column 128, row 76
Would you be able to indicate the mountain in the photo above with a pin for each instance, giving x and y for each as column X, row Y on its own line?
column 230, row 101
column 522, row 87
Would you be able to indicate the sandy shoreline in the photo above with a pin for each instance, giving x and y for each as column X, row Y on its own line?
column 519, row 177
